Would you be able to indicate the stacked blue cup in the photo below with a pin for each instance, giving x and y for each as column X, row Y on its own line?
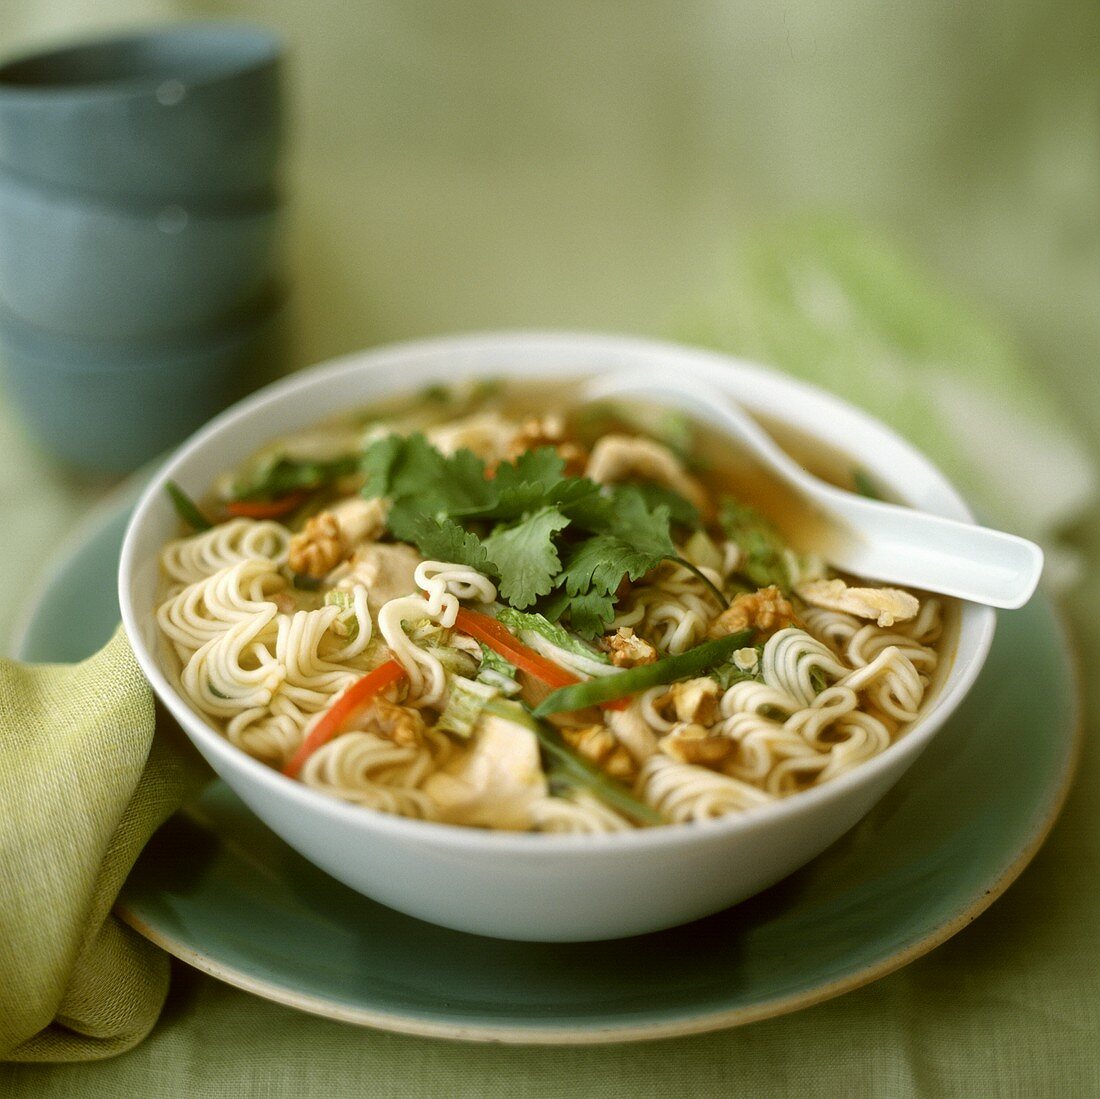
column 139, row 223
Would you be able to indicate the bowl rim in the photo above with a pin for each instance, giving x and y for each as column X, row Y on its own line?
column 266, row 44
column 476, row 840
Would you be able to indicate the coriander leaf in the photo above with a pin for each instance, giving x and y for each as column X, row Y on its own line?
column 463, row 483
column 534, row 480
column 765, row 560
column 627, row 517
column 599, row 562
column 525, row 556
column 410, row 467
column 439, row 539
column 382, row 463
column 682, row 512
column 591, row 614
column 542, row 466
column 593, row 572
column 555, row 605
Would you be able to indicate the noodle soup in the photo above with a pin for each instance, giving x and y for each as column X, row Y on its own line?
column 487, row 607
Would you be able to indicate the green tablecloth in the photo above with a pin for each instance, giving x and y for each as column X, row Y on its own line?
column 488, row 164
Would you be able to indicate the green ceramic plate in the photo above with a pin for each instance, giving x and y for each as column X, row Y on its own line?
column 220, row 891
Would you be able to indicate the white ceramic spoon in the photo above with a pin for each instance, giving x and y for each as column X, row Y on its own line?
column 868, row 538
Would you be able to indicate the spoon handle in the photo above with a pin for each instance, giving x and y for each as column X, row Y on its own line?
column 868, row 538
column 897, row 545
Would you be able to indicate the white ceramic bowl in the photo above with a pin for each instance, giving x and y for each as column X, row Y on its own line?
column 523, row 886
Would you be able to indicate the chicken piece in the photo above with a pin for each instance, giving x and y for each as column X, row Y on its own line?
column 632, row 731
column 694, row 701
column 599, row 744
column 884, row 605
column 549, row 431
column 359, row 520
column 628, row 457
column 386, row 569
column 494, row 783
column 316, row 550
column 692, row 743
column 766, row 610
column 627, row 649
column 488, row 434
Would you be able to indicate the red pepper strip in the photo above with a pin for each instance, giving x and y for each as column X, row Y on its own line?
column 502, row 641
column 266, row 509
column 352, row 699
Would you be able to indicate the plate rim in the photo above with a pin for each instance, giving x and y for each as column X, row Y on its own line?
column 108, row 510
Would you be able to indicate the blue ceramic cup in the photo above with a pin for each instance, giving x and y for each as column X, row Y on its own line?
column 188, row 113
column 86, row 268
column 107, row 407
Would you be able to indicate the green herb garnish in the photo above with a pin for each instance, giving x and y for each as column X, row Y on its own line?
column 765, row 561
column 730, row 673
column 281, row 476
column 186, row 508
column 560, row 542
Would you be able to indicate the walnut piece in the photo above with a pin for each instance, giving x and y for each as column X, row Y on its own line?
column 766, row 610
column 401, row 724
column 627, row 649
column 694, row 701
column 884, row 605
column 600, row 745
column 692, row 743
column 318, row 549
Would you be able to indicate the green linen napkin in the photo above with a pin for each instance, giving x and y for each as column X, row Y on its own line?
column 83, row 785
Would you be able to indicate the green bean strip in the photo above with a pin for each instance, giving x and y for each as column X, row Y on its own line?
column 606, row 688
column 186, row 508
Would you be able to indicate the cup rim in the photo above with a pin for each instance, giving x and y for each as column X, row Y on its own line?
column 268, row 47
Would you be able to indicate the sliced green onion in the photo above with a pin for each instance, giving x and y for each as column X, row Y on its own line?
column 606, row 688
column 186, row 508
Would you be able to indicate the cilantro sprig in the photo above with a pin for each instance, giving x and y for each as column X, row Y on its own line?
column 563, row 543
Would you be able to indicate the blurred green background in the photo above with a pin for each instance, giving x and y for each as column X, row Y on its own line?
column 493, row 163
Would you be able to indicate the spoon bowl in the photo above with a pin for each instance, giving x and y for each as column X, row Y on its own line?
column 868, row 538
